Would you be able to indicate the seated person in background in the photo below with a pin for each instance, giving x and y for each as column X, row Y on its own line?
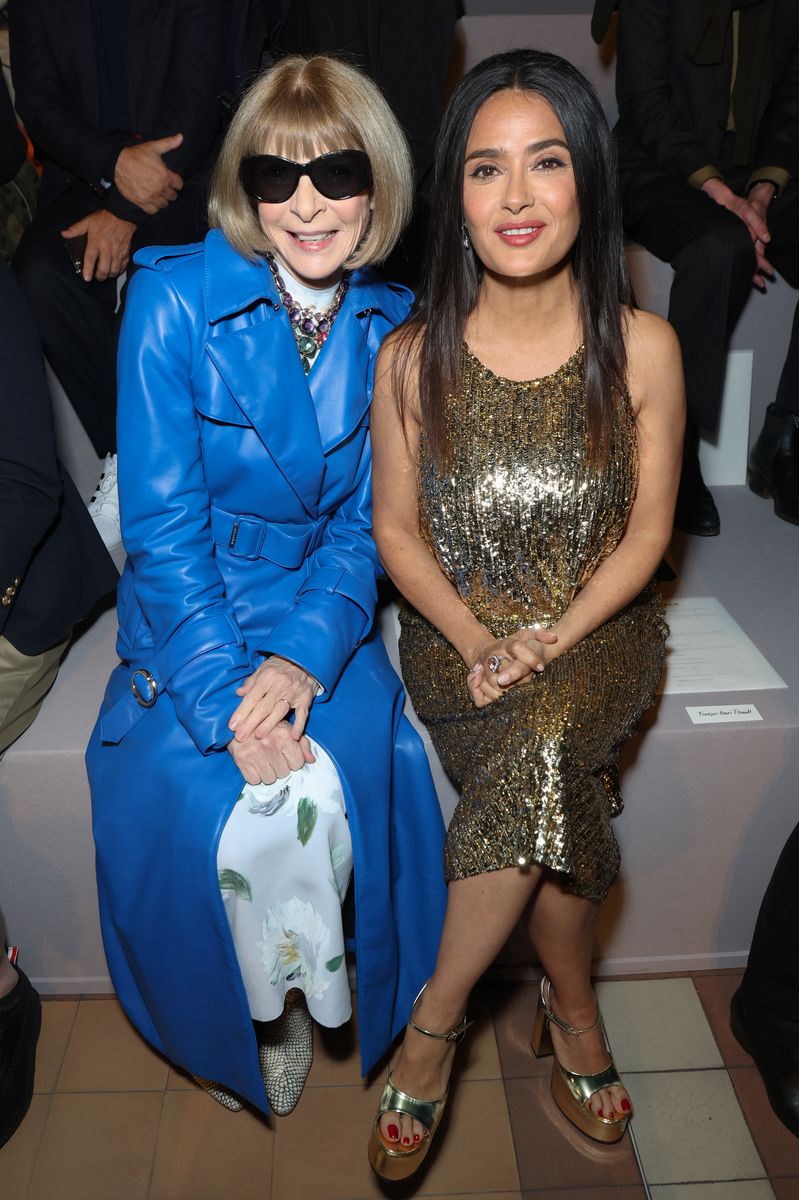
column 121, row 102
column 708, row 139
column 53, row 569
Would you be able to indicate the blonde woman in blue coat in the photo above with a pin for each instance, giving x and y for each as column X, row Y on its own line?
column 251, row 745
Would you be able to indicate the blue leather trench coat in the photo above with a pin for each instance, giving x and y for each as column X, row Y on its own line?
column 246, row 510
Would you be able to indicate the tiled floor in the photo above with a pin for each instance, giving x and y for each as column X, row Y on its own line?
column 112, row 1121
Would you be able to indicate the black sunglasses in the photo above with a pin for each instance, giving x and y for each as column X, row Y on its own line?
column 337, row 176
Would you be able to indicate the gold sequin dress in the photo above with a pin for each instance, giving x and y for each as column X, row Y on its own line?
column 519, row 522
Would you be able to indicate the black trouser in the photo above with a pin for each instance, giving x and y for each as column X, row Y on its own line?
column 770, row 988
column 713, row 258
column 77, row 321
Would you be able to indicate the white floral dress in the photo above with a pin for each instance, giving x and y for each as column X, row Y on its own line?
column 284, row 862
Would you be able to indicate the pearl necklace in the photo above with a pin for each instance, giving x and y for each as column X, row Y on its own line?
column 310, row 328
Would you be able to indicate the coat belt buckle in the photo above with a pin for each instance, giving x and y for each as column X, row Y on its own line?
column 146, row 698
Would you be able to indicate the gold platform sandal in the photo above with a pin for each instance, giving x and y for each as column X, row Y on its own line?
column 387, row 1159
column 572, row 1092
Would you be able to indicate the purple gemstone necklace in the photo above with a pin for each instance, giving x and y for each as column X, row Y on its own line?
column 310, row 328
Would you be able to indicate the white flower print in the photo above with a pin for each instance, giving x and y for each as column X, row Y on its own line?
column 294, row 935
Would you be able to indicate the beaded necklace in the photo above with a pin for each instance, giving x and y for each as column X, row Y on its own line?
column 310, row 328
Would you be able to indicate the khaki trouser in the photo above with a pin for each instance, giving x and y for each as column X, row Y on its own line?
column 25, row 680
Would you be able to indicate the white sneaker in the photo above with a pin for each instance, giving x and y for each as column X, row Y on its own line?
column 104, row 505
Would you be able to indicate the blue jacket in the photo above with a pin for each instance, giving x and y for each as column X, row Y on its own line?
column 246, row 511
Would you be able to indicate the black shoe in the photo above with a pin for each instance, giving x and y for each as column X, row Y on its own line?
column 20, row 1022
column 777, row 1064
column 696, row 510
column 774, row 463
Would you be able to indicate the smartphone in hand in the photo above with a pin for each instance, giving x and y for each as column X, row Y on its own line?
column 75, row 248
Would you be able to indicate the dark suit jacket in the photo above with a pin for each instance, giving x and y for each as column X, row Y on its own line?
column 48, row 542
column 176, row 60
column 673, row 113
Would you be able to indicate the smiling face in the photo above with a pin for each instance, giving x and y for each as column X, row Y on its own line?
column 311, row 235
column 519, row 193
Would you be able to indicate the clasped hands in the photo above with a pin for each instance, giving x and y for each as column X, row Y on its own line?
column 751, row 209
column 266, row 746
column 521, row 657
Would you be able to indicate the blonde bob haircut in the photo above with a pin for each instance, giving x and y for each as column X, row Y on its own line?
column 300, row 108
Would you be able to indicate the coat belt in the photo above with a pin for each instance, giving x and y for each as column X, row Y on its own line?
column 247, row 536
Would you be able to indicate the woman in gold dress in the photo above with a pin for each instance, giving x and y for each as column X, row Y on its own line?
column 527, row 430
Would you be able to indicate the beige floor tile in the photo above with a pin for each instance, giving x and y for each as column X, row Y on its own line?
column 742, row 1189
column 178, row 1081
column 19, row 1154
column 58, row 1017
column 338, row 1121
column 207, row 1153
column 657, row 1025
column 690, row 1128
column 97, row 1147
column 106, row 1054
column 473, row 1150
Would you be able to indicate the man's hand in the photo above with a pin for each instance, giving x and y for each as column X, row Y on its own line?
column 752, row 212
column 142, row 176
column 108, row 245
column 760, row 196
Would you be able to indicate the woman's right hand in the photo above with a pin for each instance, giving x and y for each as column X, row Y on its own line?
column 519, row 658
column 274, row 756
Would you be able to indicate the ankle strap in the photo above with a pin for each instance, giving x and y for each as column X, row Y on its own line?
column 554, row 1019
column 452, row 1035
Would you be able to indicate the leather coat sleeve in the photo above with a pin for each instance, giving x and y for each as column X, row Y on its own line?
column 200, row 655
column 47, row 110
column 644, row 89
column 334, row 607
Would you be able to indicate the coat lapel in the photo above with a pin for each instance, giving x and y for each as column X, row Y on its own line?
column 261, row 366
column 341, row 381
column 253, row 348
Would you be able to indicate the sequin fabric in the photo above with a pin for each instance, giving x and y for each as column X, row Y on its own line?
column 519, row 522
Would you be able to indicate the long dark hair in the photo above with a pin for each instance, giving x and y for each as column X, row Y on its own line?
column 429, row 345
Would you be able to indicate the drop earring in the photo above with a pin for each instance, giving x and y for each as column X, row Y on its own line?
column 467, row 245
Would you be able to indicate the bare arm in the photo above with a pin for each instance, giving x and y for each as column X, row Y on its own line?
column 407, row 558
column 658, row 395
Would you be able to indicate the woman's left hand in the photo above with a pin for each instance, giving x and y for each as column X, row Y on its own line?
column 522, row 656
column 269, row 695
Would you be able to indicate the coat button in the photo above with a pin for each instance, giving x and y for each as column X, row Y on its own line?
column 17, row 582
column 5, row 601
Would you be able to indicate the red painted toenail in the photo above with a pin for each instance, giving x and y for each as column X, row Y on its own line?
column 625, row 1106
column 393, row 1132
column 416, row 1137
column 601, row 1112
column 406, row 1141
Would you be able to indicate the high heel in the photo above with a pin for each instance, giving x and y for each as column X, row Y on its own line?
column 386, row 1158
column 570, row 1091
